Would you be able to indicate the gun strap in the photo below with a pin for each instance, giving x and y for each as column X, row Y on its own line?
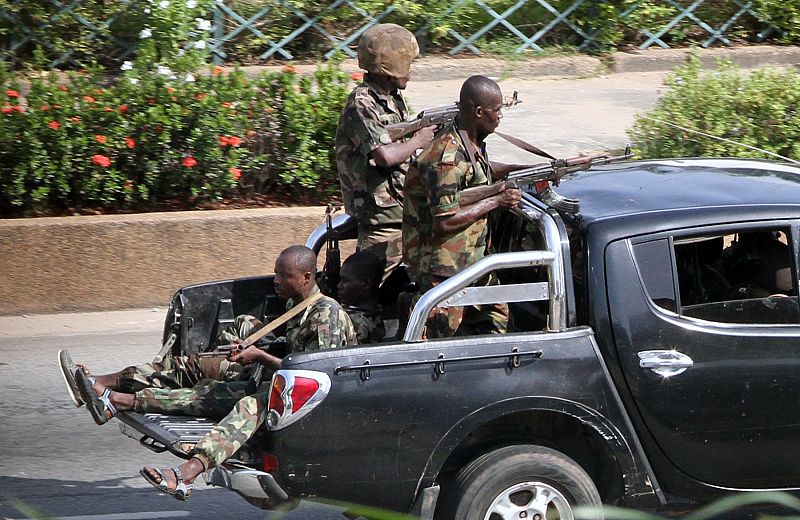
column 280, row 320
column 519, row 143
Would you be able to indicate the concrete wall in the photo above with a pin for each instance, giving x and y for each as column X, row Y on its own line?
column 126, row 261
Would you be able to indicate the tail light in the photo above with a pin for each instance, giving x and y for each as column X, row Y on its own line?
column 293, row 394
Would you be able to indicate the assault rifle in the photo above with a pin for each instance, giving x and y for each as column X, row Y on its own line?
column 333, row 256
column 538, row 178
column 235, row 348
column 435, row 116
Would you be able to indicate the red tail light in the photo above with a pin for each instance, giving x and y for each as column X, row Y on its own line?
column 304, row 389
column 269, row 463
column 294, row 393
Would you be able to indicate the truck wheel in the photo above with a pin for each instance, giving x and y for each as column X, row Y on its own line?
column 514, row 482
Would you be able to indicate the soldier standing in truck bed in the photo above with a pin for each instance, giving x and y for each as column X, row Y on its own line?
column 371, row 167
column 442, row 237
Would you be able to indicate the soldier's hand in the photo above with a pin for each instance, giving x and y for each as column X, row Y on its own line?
column 249, row 355
column 509, row 198
column 425, row 135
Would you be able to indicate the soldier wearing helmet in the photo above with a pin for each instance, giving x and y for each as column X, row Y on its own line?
column 371, row 167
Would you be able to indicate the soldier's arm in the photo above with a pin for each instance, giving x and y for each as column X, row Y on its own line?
column 465, row 216
column 500, row 170
column 392, row 154
column 253, row 354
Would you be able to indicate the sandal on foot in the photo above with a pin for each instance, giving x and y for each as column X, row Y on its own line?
column 68, row 373
column 182, row 491
column 97, row 405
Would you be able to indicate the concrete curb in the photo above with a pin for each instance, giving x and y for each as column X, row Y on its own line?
column 107, row 262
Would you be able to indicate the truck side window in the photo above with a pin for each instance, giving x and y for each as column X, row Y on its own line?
column 746, row 277
column 655, row 268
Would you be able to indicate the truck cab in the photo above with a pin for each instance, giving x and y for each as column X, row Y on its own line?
column 649, row 362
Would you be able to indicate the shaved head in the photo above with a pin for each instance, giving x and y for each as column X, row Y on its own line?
column 478, row 91
column 300, row 258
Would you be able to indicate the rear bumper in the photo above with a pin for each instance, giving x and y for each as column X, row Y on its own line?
column 258, row 487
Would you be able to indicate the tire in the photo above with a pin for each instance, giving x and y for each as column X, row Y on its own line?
column 519, row 482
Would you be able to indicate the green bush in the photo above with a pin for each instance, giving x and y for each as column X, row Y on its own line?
column 760, row 110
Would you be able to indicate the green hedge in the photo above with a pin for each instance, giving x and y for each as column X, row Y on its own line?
column 146, row 138
column 760, row 109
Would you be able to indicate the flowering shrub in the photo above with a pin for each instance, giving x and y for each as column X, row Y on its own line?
column 161, row 132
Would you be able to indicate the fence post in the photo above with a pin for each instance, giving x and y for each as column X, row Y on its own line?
column 219, row 33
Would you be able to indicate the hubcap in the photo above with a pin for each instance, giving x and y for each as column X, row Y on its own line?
column 529, row 501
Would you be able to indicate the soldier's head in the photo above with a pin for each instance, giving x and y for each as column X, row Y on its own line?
column 480, row 104
column 360, row 278
column 295, row 272
column 386, row 51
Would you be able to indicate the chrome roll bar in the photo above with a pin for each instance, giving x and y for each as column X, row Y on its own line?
column 552, row 258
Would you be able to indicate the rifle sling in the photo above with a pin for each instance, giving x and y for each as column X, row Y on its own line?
column 280, row 320
column 519, row 143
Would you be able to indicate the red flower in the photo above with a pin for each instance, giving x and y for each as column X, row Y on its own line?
column 123, row 109
column 230, row 140
column 236, row 173
column 56, row 106
column 101, row 160
column 55, row 125
column 18, row 108
column 217, row 70
column 108, row 109
column 101, row 139
column 62, row 88
column 200, row 97
column 357, row 76
column 12, row 93
column 170, row 90
column 289, row 69
column 189, row 162
column 7, row 109
column 89, row 99
column 226, row 104
column 75, row 119
column 130, row 142
column 45, row 108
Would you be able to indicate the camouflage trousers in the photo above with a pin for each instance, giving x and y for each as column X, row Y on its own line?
column 385, row 242
column 232, row 432
column 471, row 320
column 208, row 398
column 187, row 371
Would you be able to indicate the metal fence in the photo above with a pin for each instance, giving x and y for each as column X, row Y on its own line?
column 522, row 26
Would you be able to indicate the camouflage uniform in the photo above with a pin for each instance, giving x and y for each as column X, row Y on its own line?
column 367, row 194
column 186, row 371
column 367, row 324
column 433, row 189
column 323, row 325
column 190, row 385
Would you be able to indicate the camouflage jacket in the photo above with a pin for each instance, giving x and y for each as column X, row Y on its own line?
column 323, row 325
column 433, row 188
column 368, row 324
column 361, row 129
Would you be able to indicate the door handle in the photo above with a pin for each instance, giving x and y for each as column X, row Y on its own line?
column 665, row 363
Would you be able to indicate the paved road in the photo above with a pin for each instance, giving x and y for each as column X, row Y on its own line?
column 54, row 459
column 561, row 116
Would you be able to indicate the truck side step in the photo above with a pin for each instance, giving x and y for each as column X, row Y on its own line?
column 258, row 487
column 159, row 433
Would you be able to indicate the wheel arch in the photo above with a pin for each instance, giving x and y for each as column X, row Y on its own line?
column 567, row 426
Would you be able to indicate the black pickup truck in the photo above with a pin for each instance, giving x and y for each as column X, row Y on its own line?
column 653, row 359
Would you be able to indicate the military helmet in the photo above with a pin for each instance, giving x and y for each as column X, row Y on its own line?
column 387, row 49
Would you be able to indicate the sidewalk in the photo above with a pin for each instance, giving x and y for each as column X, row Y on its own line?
column 442, row 67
